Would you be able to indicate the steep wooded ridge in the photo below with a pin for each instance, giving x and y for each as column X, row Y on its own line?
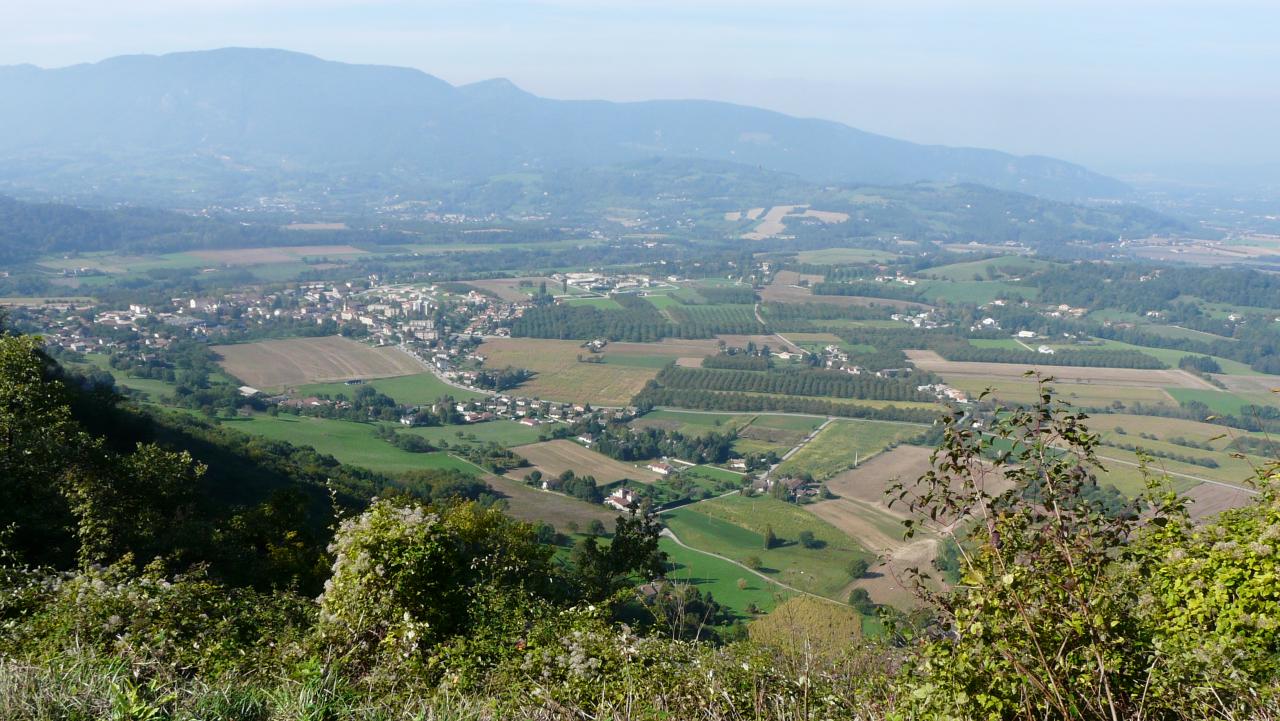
column 262, row 119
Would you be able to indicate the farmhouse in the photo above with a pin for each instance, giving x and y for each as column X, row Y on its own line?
column 622, row 499
column 660, row 468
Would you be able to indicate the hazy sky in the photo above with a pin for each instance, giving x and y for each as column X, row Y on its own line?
column 1120, row 85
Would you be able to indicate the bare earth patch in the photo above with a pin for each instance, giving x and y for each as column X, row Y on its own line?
column 274, row 364
column 1208, row 499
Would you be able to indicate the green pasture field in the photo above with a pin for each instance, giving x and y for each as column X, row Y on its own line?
column 505, row 433
column 351, row 443
column 713, row 473
column 973, row 291
column 594, row 302
column 417, row 389
column 1223, row 401
column 835, row 448
column 733, row 526
column 843, row 256
column 693, row 423
column 1005, row 265
column 788, row 423
column 720, row 578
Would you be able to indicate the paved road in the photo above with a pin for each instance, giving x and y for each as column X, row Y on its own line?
column 760, row 320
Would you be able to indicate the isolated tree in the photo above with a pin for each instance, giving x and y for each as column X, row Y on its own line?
column 770, row 540
column 858, row 568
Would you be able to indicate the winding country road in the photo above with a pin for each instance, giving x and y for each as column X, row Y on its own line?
column 667, row 532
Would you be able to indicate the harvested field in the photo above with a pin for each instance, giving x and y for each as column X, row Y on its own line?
column 1250, row 384
column 826, row 216
column 531, row 504
column 561, row 377
column 556, row 457
column 1132, row 377
column 783, row 289
column 1208, row 499
column 667, row 347
column 690, row 361
column 868, row 481
column 288, row 254
column 772, row 223
column 278, row 363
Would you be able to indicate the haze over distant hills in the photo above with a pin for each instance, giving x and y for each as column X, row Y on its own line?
column 218, row 123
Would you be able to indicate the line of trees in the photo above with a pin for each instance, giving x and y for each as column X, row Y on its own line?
column 1101, row 358
column 656, row 395
column 869, row 289
column 823, row 383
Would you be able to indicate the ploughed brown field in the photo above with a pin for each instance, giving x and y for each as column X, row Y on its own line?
column 556, row 457
column 532, row 504
column 271, row 364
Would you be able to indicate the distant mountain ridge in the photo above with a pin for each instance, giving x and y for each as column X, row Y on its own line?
column 273, row 117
